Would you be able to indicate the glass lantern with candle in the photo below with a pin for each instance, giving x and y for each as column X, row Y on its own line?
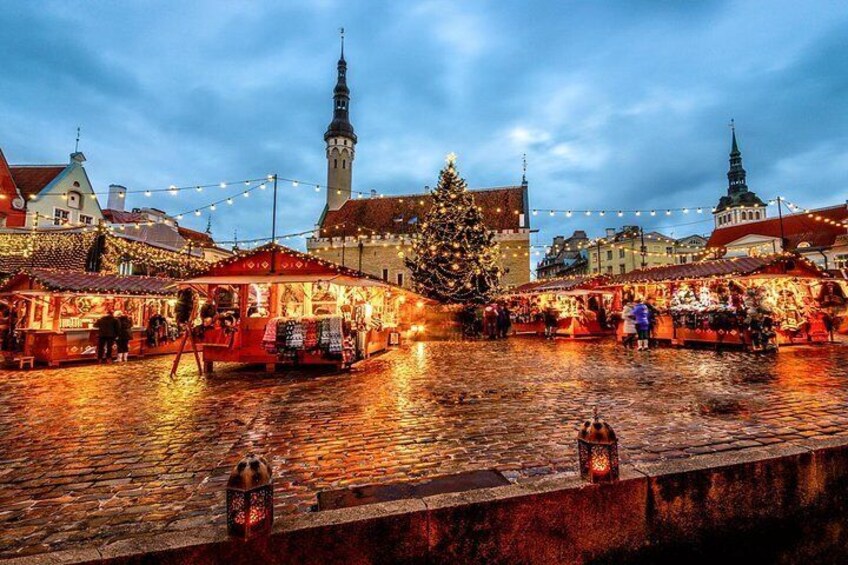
column 250, row 497
column 597, row 449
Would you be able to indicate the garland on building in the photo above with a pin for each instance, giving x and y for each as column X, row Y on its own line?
column 454, row 256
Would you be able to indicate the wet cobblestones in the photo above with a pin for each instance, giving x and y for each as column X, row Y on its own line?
column 94, row 454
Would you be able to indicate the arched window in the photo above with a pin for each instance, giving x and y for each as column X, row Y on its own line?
column 335, row 163
column 344, row 164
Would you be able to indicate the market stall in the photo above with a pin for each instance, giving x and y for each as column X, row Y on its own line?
column 52, row 313
column 578, row 302
column 756, row 302
column 277, row 306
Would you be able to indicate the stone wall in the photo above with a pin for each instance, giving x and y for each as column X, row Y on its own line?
column 786, row 503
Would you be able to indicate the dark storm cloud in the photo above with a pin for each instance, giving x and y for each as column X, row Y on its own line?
column 617, row 105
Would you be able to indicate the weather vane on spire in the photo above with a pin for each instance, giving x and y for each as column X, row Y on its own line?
column 76, row 145
column 524, row 168
column 341, row 34
column 732, row 125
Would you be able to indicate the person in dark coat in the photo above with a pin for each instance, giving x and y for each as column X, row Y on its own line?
column 490, row 321
column 122, row 340
column 107, row 331
column 504, row 320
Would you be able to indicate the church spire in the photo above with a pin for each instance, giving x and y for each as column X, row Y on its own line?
column 736, row 176
column 341, row 126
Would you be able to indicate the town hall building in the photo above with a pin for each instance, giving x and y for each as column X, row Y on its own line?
column 374, row 234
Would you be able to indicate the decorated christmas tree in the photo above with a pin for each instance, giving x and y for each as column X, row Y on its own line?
column 454, row 257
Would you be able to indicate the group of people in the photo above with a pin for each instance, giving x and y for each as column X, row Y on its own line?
column 497, row 320
column 639, row 319
column 113, row 329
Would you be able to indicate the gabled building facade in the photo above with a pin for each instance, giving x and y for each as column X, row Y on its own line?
column 56, row 195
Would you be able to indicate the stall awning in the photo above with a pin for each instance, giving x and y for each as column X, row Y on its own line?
column 57, row 280
column 779, row 265
column 563, row 284
column 279, row 279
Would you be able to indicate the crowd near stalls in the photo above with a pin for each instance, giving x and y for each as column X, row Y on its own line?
column 757, row 302
column 52, row 315
column 57, row 284
column 573, row 306
column 275, row 306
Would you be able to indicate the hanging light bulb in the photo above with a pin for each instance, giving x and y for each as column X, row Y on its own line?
column 294, row 183
column 213, row 208
column 317, row 188
column 668, row 212
column 197, row 212
column 700, row 211
column 229, row 201
column 568, row 213
column 535, row 212
column 223, row 185
column 638, row 212
column 620, row 213
column 686, row 210
column 173, row 190
column 588, row 212
column 179, row 216
column 199, row 188
column 245, row 194
column 603, row 213
column 147, row 193
column 653, row 212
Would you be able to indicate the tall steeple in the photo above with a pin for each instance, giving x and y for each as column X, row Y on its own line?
column 736, row 175
column 740, row 205
column 340, row 139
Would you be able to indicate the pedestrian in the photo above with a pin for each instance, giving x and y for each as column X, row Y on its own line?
column 628, row 324
column 122, row 339
column 107, row 331
column 642, row 316
column 504, row 321
column 551, row 322
column 490, row 321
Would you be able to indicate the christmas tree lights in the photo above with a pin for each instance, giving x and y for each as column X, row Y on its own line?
column 454, row 257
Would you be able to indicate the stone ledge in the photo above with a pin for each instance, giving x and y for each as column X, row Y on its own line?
column 553, row 518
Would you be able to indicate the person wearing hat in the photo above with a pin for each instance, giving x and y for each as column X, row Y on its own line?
column 124, row 334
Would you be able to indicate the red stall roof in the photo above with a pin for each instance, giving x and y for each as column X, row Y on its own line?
column 737, row 266
column 59, row 280
column 577, row 282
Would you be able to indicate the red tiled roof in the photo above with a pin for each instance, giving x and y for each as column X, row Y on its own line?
column 31, row 179
column 797, row 229
column 401, row 214
column 124, row 217
column 75, row 281
column 196, row 236
column 742, row 266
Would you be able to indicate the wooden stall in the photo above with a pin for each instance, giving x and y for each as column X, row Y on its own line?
column 579, row 302
column 276, row 306
column 53, row 313
column 753, row 302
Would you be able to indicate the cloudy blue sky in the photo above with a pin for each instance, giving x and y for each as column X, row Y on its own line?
column 617, row 104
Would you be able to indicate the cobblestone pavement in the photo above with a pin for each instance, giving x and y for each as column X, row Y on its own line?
column 94, row 454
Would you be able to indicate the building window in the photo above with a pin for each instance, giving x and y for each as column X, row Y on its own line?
column 621, row 254
column 60, row 216
column 87, row 220
column 74, row 200
column 609, row 255
column 841, row 261
column 344, row 163
column 669, row 250
column 385, row 274
column 335, row 163
column 622, row 269
column 683, row 259
column 400, row 279
column 609, row 269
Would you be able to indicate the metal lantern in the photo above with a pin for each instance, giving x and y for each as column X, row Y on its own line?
column 597, row 448
column 250, row 497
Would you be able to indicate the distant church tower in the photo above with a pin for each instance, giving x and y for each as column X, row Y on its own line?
column 740, row 206
column 340, row 140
